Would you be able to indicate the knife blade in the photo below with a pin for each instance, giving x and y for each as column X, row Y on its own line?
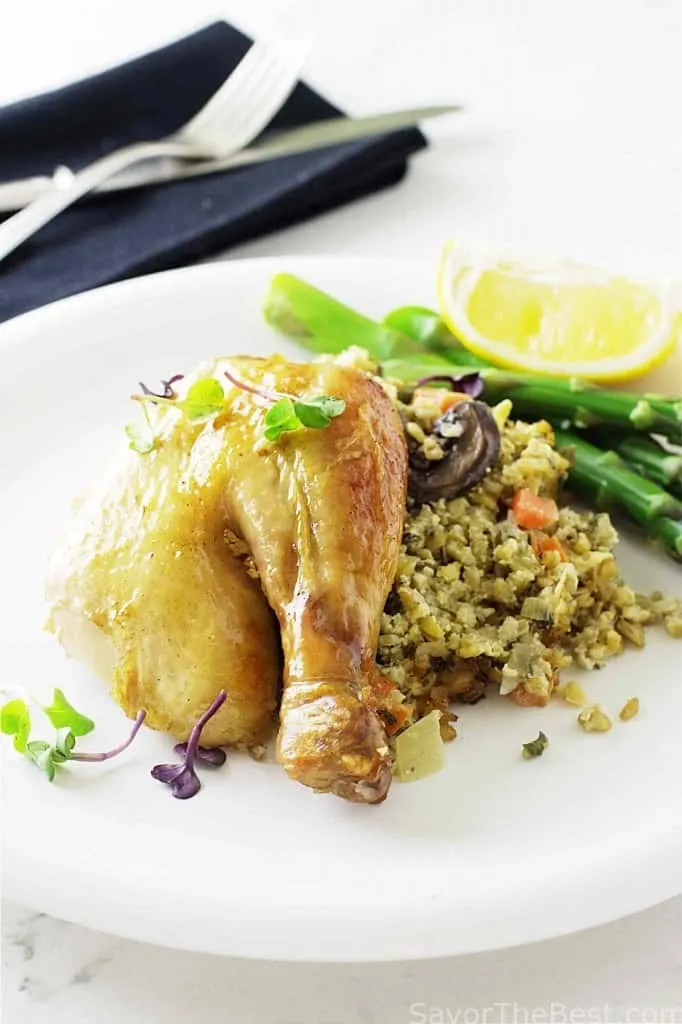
column 320, row 134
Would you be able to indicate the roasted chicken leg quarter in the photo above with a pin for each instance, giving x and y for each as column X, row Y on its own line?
column 151, row 571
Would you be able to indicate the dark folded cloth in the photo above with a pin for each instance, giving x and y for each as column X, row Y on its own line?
column 123, row 234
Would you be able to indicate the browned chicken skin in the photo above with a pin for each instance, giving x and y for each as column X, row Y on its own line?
column 321, row 512
column 144, row 589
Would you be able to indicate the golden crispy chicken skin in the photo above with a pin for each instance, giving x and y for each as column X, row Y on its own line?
column 147, row 567
column 145, row 590
column 322, row 512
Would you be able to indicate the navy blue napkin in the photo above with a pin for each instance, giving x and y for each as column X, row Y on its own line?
column 124, row 234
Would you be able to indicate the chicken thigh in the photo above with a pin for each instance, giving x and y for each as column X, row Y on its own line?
column 145, row 590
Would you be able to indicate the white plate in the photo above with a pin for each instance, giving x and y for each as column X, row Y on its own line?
column 492, row 852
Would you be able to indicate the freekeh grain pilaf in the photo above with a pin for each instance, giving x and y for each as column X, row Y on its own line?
column 479, row 602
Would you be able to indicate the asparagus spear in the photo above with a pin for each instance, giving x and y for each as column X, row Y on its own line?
column 572, row 401
column 324, row 325
column 647, row 458
column 609, row 482
column 430, row 330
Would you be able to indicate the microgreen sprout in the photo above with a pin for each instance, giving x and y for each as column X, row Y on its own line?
column 69, row 724
column 167, row 385
column 205, row 398
column 213, row 756
column 182, row 778
column 63, row 716
column 140, row 433
column 289, row 413
column 15, row 720
column 465, row 383
column 115, row 751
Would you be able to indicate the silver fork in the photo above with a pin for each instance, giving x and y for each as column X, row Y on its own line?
column 229, row 121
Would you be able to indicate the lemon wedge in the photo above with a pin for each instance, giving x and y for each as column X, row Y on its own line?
column 558, row 318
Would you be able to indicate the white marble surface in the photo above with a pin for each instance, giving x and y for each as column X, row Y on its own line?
column 571, row 143
column 56, row 973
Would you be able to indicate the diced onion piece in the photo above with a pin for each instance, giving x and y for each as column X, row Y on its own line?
column 419, row 751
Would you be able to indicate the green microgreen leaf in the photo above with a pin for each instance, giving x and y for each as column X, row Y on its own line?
column 69, row 724
column 318, row 412
column 15, row 720
column 291, row 414
column 64, row 716
column 536, row 747
column 141, row 437
column 288, row 413
column 280, row 418
column 42, row 755
column 205, row 398
column 65, row 743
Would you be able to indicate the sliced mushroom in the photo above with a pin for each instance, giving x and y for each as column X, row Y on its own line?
column 470, row 440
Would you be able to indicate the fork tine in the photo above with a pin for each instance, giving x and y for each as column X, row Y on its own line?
column 249, row 108
column 274, row 77
column 248, row 99
column 282, row 80
column 250, row 66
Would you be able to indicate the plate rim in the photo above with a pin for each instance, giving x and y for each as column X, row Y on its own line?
column 628, row 876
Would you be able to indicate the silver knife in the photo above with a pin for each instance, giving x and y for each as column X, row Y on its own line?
column 16, row 194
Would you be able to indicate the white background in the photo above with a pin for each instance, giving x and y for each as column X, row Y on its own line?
column 571, row 143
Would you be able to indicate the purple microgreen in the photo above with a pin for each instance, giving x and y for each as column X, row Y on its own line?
column 108, row 754
column 466, row 383
column 270, row 396
column 182, row 778
column 167, row 385
column 213, row 756
column 153, row 400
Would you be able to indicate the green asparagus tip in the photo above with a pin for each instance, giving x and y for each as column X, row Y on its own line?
column 642, row 416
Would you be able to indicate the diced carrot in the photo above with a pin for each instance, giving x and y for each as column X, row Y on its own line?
column 542, row 543
column 382, row 686
column 533, row 512
column 437, row 398
column 397, row 718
